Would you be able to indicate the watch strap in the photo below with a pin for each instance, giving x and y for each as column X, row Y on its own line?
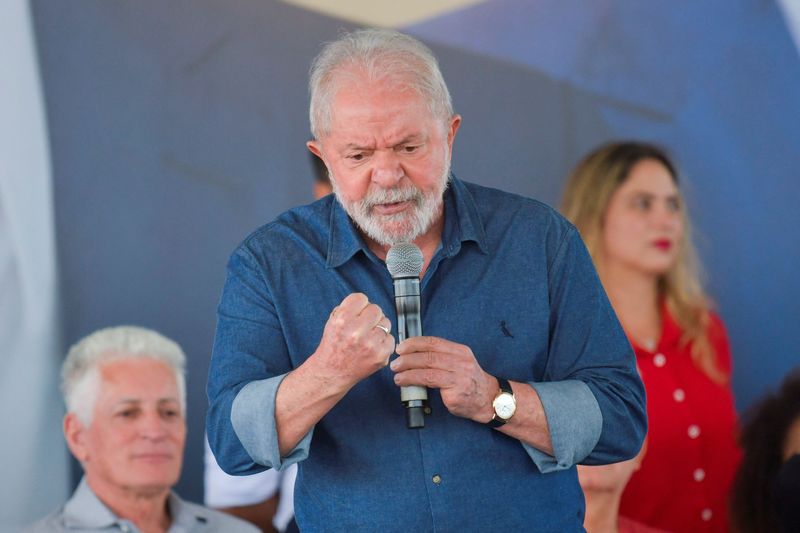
column 505, row 386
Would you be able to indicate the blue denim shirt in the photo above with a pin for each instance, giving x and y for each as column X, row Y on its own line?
column 513, row 281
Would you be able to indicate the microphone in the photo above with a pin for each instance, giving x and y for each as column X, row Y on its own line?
column 404, row 262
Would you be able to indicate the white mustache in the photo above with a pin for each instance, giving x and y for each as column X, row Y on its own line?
column 390, row 196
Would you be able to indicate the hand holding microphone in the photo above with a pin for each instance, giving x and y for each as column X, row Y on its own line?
column 404, row 262
column 467, row 390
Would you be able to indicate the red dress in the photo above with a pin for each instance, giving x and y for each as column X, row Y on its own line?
column 626, row 525
column 685, row 478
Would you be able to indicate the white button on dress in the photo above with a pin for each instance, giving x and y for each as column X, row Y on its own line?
column 693, row 431
column 659, row 360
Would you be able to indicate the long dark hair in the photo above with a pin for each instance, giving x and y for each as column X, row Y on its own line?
column 763, row 438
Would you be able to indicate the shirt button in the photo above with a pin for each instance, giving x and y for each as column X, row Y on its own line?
column 437, row 479
column 678, row 395
column 693, row 431
column 706, row 515
column 659, row 360
column 699, row 474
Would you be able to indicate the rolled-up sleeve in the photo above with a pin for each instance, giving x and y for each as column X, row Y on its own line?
column 574, row 420
column 253, row 419
column 248, row 362
column 592, row 395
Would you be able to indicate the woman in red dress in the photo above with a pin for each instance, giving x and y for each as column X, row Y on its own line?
column 625, row 201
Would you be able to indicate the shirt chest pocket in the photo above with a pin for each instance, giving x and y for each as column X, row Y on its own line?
column 507, row 342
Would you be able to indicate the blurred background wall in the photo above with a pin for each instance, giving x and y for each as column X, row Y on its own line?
column 175, row 128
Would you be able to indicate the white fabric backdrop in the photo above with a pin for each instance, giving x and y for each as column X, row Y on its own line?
column 791, row 14
column 33, row 458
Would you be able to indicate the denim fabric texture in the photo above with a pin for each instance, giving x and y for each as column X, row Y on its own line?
column 513, row 281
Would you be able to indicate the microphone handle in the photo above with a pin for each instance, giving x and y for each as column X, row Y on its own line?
column 409, row 324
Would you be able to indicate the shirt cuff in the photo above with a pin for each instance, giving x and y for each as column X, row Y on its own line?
column 575, row 422
column 253, row 420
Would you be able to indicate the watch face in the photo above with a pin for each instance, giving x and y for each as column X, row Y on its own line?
column 505, row 405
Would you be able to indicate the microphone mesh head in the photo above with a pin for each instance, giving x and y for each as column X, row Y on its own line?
column 404, row 260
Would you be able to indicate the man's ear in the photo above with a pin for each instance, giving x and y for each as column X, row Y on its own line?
column 75, row 435
column 452, row 129
column 316, row 148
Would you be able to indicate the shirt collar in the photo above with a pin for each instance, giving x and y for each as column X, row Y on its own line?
column 184, row 517
column 461, row 223
column 85, row 510
column 670, row 334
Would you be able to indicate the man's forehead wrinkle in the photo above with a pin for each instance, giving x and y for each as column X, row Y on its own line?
column 355, row 120
column 137, row 400
column 387, row 140
column 355, row 104
column 128, row 399
column 366, row 127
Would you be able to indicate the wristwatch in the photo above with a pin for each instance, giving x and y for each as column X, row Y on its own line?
column 505, row 404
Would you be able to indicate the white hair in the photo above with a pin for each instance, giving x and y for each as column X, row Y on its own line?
column 375, row 55
column 80, row 375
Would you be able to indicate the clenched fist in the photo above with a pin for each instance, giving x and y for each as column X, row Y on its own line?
column 356, row 342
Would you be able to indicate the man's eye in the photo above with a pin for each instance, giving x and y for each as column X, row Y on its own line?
column 127, row 413
column 410, row 149
column 170, row 413
column 356, row 157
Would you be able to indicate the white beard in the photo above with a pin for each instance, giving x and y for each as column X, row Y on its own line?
column 406, row 226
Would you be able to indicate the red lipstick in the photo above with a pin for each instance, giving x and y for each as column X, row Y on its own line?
column 664, row 245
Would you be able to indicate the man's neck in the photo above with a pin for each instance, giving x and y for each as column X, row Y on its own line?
column 602, row 512
column 147, row 508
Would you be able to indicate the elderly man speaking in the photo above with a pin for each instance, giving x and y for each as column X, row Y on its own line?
column 126, row 400
column 527, row 368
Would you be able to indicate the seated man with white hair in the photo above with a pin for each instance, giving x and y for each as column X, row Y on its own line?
column 125, row 392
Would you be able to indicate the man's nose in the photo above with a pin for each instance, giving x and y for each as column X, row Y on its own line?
column 387, row 170
column 153, row 427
